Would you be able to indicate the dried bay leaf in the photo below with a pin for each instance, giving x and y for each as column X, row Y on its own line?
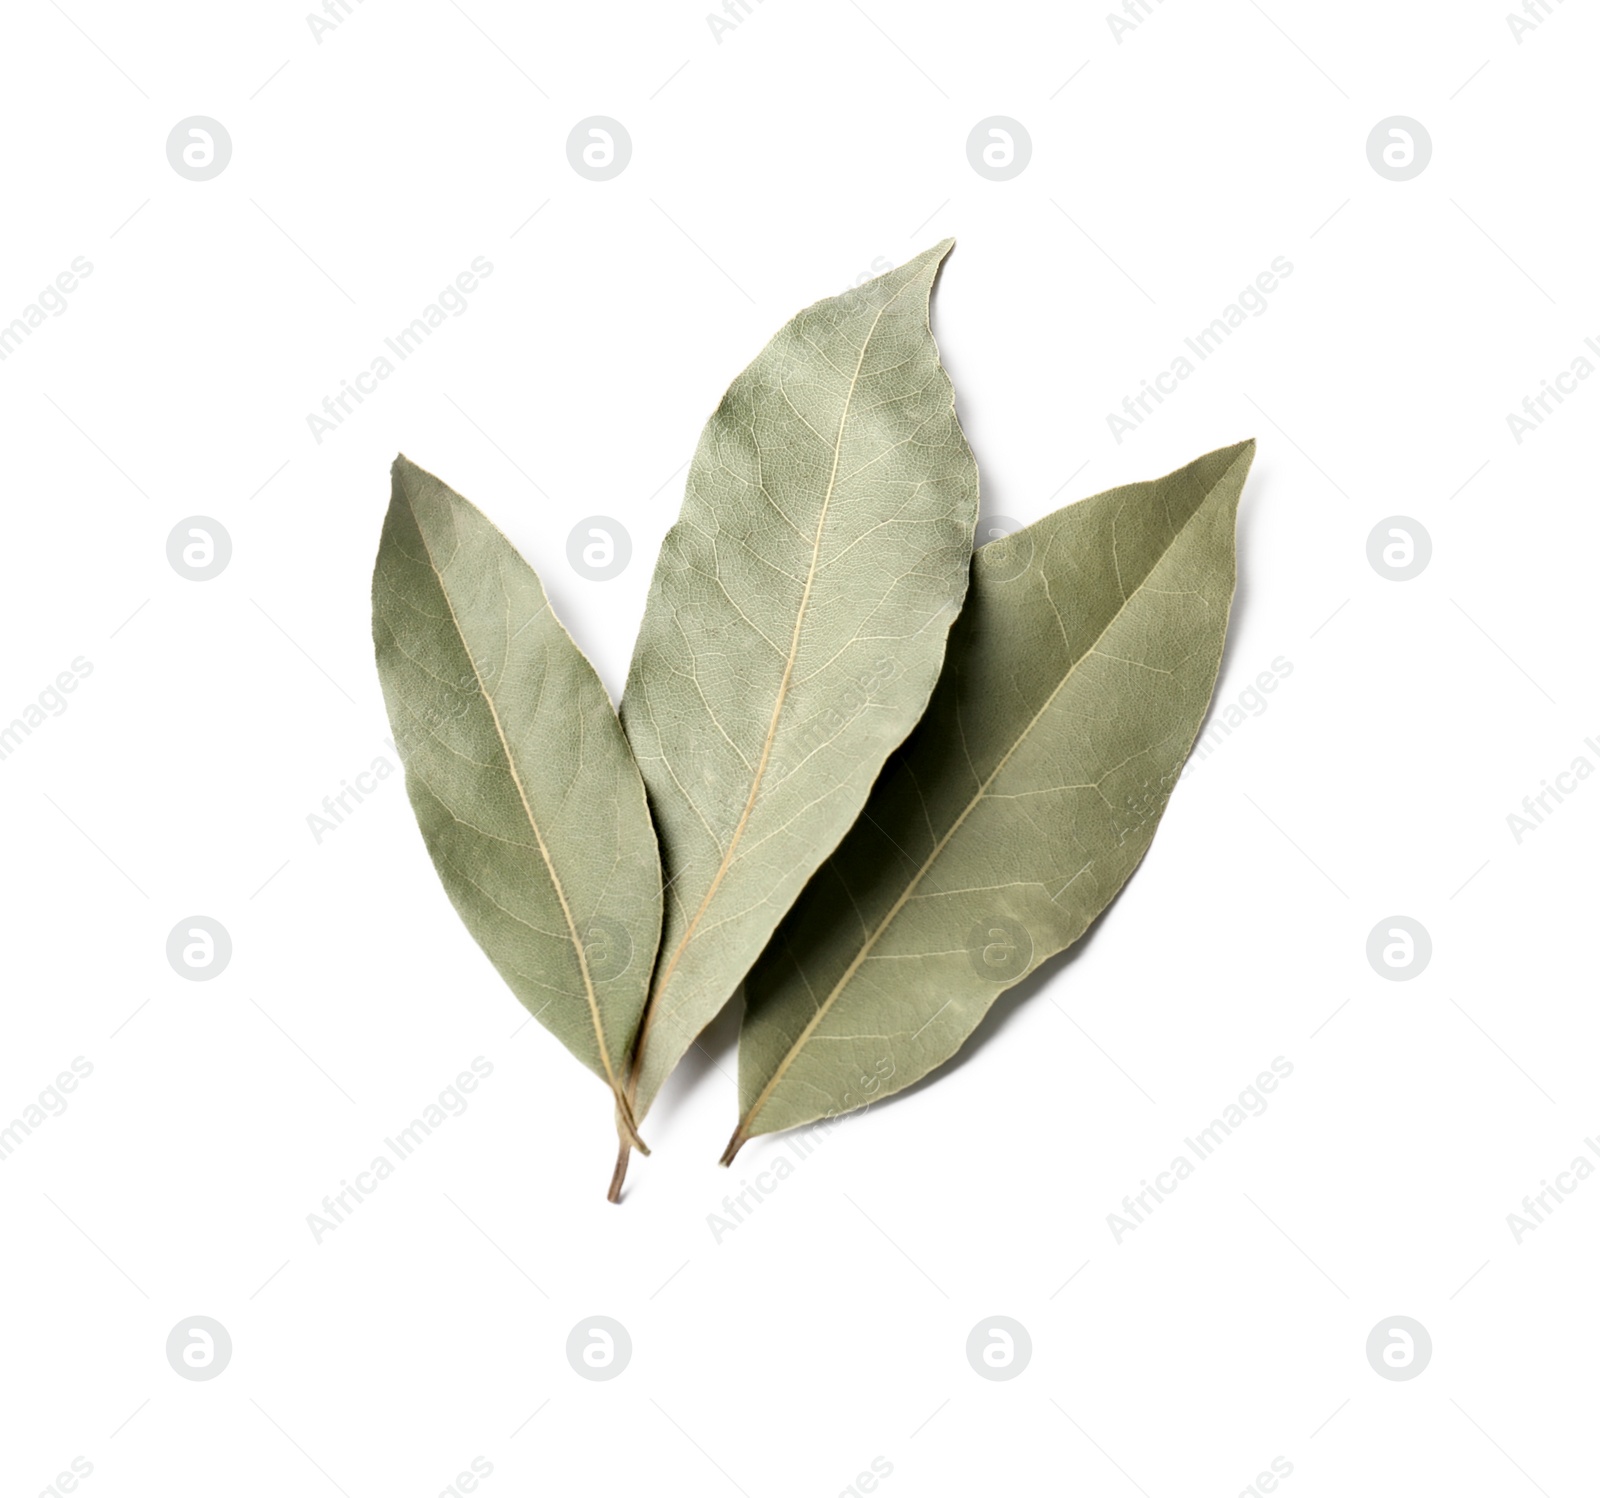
column 794, row 628
column 522, row 781
column 1075, row 683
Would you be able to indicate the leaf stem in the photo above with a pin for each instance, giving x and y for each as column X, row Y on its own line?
column 624, row 1149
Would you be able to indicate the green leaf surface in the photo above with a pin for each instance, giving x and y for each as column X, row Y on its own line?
column 1075, row 684
column 794, row 628
column 519, row 773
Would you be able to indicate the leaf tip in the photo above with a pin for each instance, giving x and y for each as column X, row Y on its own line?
column 402, row 474
column 1229, row 456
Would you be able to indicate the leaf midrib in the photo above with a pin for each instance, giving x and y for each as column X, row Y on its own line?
column 660, row 987
column 911, row 886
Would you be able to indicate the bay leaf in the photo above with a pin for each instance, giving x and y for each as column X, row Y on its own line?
column 794, row 628
column 521, row 779
column 1074, row 686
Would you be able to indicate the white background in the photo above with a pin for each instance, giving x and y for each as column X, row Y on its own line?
column 829, row 1327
